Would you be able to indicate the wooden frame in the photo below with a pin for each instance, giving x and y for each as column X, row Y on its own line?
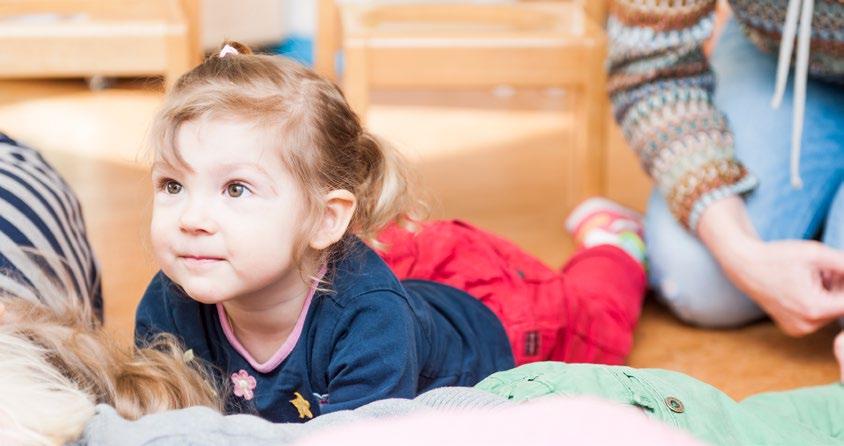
column 100, row 37
column 327, row 41
column 329, row 33
column 531, row 44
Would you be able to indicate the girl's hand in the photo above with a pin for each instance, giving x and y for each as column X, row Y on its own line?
column 790, row 280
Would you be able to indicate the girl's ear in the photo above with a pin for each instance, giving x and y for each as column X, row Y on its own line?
column 339, row 206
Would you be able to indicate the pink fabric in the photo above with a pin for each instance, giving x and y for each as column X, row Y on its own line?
column 547, row 421
column 284, row 351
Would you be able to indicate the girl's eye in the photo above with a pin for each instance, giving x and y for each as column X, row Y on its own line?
column 235, row 190
column 172, row 187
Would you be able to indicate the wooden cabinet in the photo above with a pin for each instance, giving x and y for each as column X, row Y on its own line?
column 79, row 38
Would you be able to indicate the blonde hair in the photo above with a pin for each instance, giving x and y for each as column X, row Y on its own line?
column 325, row 146
column 38, row 405
column 57, row 362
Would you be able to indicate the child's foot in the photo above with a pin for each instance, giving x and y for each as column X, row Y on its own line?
column 599, row 221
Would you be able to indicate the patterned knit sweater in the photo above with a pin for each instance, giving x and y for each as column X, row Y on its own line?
column 662, row 87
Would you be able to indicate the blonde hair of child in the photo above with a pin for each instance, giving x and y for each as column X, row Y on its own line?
column 321, row 140
column 38, row 405
column 57, row 362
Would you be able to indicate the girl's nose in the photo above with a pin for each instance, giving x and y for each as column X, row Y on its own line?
column 195, row 218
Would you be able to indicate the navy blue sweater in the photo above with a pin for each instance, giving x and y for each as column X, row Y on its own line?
column 371, row 337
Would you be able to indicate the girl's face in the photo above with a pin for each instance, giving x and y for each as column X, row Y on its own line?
column 224, row 224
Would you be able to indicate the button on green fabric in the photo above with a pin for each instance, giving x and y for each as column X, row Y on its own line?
column 715, row 419
column 674, row 404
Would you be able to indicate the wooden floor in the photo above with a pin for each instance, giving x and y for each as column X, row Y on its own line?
column 492, row 159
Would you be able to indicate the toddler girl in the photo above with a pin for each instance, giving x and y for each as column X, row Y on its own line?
column 267, row 186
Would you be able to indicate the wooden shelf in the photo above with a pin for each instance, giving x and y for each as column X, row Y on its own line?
column 73, row 38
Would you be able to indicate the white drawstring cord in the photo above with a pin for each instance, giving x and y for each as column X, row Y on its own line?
column 789, row 30
column 804, row 39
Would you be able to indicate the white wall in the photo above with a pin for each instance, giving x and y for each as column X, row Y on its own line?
column 300, row 17
column 256, row 22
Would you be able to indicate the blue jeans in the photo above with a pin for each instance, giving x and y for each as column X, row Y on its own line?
column 682, row 271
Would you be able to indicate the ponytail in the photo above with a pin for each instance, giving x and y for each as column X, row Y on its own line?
column 387, row 195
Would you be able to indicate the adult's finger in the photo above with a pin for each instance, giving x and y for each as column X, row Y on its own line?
column 830, row 259
column 838, row 348
column 825, row 305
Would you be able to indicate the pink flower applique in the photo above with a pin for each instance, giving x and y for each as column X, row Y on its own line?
column 243, row 385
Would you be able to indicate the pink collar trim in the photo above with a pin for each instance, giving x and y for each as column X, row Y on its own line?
column 284, row 351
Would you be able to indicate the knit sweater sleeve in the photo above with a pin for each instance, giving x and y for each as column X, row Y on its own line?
column 661, row 87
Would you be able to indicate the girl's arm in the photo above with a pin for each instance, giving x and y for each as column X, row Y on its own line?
column 375, row 355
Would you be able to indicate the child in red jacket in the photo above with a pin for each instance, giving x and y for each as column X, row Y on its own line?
column 584, row 312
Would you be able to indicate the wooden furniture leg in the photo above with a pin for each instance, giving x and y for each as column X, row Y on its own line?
column 328, row 38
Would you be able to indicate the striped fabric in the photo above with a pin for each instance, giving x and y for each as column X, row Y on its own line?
column 44, row 249
column 662, row 87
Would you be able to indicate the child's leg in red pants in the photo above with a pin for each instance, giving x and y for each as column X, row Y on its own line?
column 604, row 288
column 585, row 313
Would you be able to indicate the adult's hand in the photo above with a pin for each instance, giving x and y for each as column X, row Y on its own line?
column 793, row 281
column 838, row 348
